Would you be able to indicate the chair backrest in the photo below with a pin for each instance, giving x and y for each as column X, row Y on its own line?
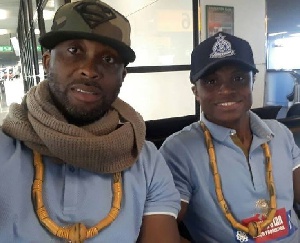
column 158, row 130
column 293, row 123
column 294, row 110
column 267, row 112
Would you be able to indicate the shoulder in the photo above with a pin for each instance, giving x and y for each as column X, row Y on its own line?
column 3, row 136
column 267, row 127
column 184, row 145
column 149, row 160
column 152, row 171
column 277, row 127
column 151, row 166
column 7, row 143
column 149, row 153
column 282, row 135
column 185, row 137
column 12, row 150
column 274, row 124
column 184, row 149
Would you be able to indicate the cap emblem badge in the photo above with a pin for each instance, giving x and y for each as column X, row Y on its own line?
column 221, row 48
column 94, row 13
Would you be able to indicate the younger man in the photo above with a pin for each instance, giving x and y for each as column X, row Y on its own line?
column 238, row 175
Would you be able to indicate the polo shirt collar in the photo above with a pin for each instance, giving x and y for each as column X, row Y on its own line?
column 258, row 126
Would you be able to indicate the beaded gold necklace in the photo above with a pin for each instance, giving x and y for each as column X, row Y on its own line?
column 77, row 232
column 254, row 228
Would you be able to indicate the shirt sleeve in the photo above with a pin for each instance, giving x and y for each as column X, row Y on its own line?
column 295, row 149
column 178, row 159
column 291, row 138
column 162, row 195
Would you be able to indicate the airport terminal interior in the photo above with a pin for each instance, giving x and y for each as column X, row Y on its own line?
column 163, row 35
column 163, row 42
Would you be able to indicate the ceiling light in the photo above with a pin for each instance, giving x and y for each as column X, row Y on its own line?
column 278, row 33
column 3, row 14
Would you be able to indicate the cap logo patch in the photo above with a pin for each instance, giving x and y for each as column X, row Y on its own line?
column 222, row 48
column 94, row 13
column 61, row 20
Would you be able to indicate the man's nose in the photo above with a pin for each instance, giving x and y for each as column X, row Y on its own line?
column 89, row 69
column 227, row 87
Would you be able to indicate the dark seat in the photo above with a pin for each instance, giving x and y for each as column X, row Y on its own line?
column 267, row 112
column 293, row 123
column 158, row 130
column 294, row 110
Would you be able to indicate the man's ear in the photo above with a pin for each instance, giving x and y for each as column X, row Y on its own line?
column 195, row 92
column 124, row 73
column 46, row 61
column 253, row 80
column 194, row 89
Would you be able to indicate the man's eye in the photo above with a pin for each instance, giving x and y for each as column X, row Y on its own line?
column 108, row 59
column 210, row 81
column 239, row 79
column 73, row 50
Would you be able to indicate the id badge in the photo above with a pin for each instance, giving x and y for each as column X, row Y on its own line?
column 279, row 228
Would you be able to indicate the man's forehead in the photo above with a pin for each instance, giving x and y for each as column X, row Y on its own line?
column 233, row 67
column 87, row 43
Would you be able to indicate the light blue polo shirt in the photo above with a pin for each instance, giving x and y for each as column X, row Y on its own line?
column 186, row 155
column 74, row 195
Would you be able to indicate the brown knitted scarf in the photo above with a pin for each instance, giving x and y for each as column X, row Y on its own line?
column 102, row 147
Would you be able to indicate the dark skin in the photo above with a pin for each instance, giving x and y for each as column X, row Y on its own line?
column 84, row 79
column 225, row 96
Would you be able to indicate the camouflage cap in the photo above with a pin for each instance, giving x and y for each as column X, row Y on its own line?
column 92, row 20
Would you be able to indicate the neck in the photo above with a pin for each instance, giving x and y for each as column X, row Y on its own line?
column 245, row 138
column 244, row 133
column 242, row 128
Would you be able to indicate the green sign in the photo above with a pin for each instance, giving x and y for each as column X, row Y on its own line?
column 6, row 49
column 10, row 48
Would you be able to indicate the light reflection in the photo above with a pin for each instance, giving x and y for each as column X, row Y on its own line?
column 284, row 52
column 3, row 14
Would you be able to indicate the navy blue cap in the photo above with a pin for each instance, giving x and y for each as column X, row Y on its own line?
column 220, row 49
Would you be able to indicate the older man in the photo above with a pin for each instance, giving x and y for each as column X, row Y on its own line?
column 74, row 162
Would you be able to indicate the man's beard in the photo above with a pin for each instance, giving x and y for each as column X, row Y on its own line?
column 77, row 115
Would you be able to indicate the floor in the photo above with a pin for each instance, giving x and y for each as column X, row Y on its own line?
column 14, row 91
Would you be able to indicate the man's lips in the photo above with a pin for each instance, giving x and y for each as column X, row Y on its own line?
column 227, row 103
column 85, row 91
column 87, row 94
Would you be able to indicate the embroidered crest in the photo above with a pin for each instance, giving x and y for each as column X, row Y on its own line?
column 222, row 48
column 241, row 236
column 94, row 13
